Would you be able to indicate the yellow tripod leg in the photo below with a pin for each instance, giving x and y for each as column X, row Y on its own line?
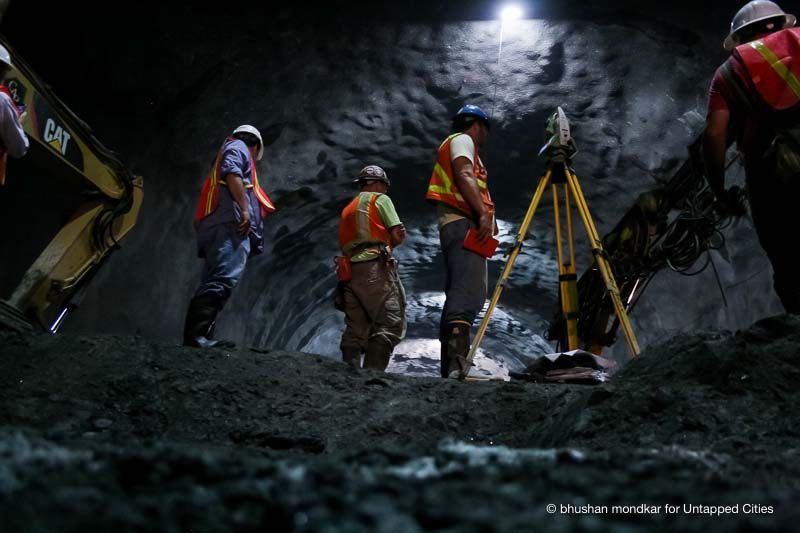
column 567, row 278
column 602, row 262
column 501, row 282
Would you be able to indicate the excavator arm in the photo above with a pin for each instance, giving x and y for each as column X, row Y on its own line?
column 109, row 199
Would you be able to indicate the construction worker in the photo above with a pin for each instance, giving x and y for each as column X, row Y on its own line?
column 228, row 221
column 373, row 297
column 13, row 140
column 754, row 96
column 458, row 187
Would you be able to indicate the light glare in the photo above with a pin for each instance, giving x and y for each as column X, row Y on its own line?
column 511, row 13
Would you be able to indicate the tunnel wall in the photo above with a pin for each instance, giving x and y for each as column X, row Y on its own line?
column 337, row 89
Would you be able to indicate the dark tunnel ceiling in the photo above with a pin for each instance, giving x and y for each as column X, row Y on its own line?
column 55, row 37
column 64, row 15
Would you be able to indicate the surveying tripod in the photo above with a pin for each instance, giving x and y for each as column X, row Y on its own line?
column 558, row 152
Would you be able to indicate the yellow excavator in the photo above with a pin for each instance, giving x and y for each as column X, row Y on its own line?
column 63, row 208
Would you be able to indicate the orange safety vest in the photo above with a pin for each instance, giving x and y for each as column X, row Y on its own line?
column 442, row 187
column 774, row 66
column 209, row 193
column 361, row 223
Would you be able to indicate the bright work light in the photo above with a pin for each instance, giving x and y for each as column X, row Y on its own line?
column 510, row 13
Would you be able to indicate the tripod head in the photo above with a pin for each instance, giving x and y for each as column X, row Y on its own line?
column 561, row 146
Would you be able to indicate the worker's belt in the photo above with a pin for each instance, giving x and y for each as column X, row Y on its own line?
column 225, row 184
column 382, row 250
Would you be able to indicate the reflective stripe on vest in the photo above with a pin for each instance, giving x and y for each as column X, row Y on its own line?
column 774, row 66
column 212, row 197
column 442, row 187
column 264, row 202
column 361, row 223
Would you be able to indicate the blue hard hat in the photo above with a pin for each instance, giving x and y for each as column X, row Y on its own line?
column 471, row 110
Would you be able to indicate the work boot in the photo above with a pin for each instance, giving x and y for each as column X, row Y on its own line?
column 443, row 349
column 200, row 320
column 352, row 356
column 379, row 352
column 207, row 342
column 455, row 350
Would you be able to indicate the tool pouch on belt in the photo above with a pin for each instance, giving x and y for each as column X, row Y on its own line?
column 344, row 270
column 784, row 153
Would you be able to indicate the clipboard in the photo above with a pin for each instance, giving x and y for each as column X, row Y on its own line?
column 484, row 249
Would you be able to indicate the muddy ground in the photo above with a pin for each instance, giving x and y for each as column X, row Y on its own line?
column 123, row 434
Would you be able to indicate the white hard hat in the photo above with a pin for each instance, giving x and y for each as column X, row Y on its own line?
column 5, row 57
column 247, row 128
column 752, row 13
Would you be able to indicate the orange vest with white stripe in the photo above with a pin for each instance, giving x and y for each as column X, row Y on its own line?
column 442, row 187
column 774, row 67
column 209, row 194
column 361, row 224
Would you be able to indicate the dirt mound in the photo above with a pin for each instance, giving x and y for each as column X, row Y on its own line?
column 116, row 433
column 115, row 389
column 731, row 393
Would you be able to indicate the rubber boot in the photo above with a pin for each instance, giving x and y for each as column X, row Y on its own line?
column 210, row 342
column 352, row 356
column 443, row 350
column 200, row 320
column 456, row 349
column 379, row 352
column 443, row 358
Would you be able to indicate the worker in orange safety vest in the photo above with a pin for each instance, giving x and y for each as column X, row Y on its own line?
column 459, row 189
column 755, row 96
column 370, row 292
column 229, row 224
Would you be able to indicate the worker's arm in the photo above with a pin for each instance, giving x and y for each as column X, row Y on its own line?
column 236, row 187
column 715, row 145
column 398, row 234
column 467, row 184
column 397, row 231
column 14, row 138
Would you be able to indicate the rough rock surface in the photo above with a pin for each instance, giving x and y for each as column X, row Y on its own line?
column 120, row 433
